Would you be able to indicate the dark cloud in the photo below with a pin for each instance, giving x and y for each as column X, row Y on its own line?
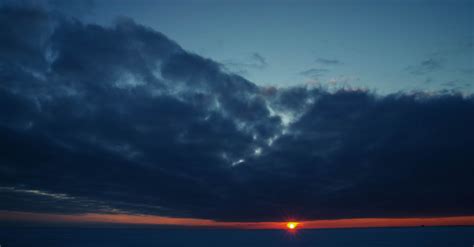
column 425, row 66
column 72, row 7
column 326, row 61
column 468, row 71
column 456, row 85
column 261, row 62
column 313, row 73
column 254, row 61
column 122, row 119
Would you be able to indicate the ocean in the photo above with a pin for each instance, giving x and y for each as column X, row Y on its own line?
column 113, row 237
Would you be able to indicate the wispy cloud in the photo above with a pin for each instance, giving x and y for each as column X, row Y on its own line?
column 314, row 73
column 326, row 61
column 425, row 67
column 254, row 61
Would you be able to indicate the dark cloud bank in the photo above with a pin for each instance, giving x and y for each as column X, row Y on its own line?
column 122, row 119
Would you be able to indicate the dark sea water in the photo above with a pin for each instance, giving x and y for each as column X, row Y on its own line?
column 396, row 237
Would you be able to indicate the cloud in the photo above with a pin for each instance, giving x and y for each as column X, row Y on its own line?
column 456, row 85
column 261, row 62
column 313, row 73
column 254, row 61
column 326, row 61
column 425, row 67
column 468, row 71
column 98, row 119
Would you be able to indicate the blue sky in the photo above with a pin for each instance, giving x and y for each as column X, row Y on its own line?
column 386, row 46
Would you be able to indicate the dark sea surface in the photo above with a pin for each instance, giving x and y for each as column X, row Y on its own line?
column 102, row 237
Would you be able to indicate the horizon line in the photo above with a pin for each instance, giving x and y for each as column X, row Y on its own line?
column 133, row 220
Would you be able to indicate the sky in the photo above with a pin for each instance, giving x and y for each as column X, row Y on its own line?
column 237, row 114
column 387, row 46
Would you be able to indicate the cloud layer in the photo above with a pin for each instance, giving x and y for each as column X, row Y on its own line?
column 98, row 119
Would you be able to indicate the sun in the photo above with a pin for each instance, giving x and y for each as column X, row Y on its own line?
column 292, row 225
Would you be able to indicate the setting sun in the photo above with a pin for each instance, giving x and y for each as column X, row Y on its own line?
column 292, row 225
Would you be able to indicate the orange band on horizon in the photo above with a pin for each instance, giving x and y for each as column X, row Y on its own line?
column 19, row 217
